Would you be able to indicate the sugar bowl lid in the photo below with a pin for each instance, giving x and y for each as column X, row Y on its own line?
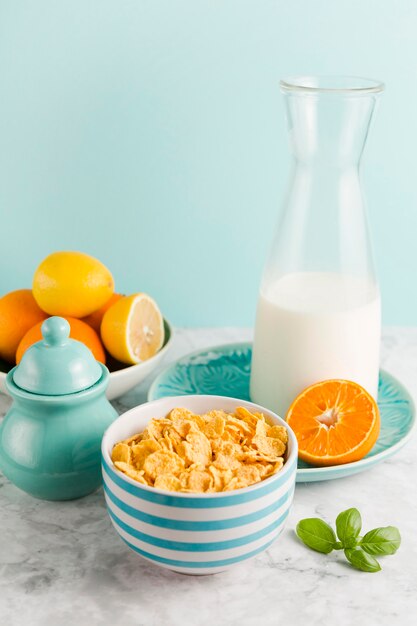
column 57, row 365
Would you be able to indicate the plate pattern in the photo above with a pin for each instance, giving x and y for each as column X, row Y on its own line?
column 225, row 370
column 219, row 371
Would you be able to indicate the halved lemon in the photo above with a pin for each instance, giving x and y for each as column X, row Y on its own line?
column 132, row 329
column 335, row 422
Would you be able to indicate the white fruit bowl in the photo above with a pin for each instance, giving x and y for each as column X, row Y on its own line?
column 122, row 377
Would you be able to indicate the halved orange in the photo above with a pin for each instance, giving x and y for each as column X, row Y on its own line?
column 335, row 422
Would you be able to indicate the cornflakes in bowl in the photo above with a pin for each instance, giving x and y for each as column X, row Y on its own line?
column 209, row 453
column 198, row 484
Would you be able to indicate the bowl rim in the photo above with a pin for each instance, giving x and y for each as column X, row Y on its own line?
column 289, row 464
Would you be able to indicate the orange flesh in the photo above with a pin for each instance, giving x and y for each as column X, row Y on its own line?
column 335, row 422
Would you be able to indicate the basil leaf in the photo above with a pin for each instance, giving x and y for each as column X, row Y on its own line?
column 385, row 540
column 361, row 560
column 316, row 534
column 348, row 527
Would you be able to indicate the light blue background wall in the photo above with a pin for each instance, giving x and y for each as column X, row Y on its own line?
column 152, row 135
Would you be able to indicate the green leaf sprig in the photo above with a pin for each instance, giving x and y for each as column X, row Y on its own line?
column 359, row 551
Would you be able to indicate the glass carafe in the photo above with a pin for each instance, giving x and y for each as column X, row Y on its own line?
column 318, row 314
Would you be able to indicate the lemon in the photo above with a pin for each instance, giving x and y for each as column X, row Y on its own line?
column 72, row 284
column 133, row 328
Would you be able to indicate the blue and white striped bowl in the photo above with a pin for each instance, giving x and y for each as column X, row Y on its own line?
column 195, row 533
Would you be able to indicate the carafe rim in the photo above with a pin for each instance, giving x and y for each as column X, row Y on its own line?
column 332, row 84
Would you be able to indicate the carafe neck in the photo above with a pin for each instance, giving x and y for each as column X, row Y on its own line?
column 323, row 227
column 330, row 130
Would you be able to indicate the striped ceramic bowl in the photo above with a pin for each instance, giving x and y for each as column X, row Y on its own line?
column 195, row 533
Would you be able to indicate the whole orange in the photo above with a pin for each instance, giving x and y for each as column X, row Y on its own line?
column 94, row 319
column 79, row 330
column 18, row 313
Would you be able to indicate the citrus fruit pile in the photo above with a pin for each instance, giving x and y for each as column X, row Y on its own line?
column 80, row 288
column 335, row 422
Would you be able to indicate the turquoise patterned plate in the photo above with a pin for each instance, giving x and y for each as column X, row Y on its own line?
column 225, row 371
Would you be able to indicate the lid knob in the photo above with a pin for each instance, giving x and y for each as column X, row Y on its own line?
column 57, row 365
column 55, row 331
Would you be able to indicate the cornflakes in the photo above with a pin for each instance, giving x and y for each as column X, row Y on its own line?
column 214, row 452
column 279, row 432
column 224, row 460
column 168, row 482
column 141, row 451
column 196, row 449
column 130, row 471
column 162, row 462
column 196, row 480
column 269, row 445
column 122, row 452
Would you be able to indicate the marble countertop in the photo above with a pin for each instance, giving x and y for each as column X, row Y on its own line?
column 62, row 564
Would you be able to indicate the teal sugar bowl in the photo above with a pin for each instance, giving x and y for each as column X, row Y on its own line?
column 50, row 438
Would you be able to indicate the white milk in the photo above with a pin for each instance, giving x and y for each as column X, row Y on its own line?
column 314, row 326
